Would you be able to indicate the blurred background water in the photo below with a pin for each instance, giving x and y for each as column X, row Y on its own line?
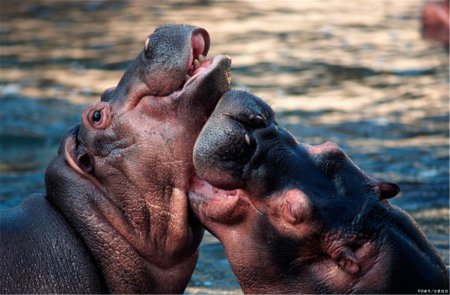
column 355, row 72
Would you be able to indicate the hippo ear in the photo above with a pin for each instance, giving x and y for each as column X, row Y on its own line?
column 386, row 190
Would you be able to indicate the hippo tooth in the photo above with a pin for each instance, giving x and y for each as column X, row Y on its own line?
column 247, row 139
column 196, row 63
column 201, row 58
column 146, row 44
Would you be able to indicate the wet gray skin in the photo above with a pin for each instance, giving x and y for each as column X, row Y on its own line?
column 115, row 215
column 296, row 218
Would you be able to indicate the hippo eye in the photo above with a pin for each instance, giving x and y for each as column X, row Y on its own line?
column 97, row 116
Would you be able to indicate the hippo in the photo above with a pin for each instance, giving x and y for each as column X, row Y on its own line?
column 115, row 214
column 435, row 24
column 298, row 218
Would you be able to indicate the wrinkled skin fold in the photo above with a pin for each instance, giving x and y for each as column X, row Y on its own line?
column 115, row 214
column 295, row 218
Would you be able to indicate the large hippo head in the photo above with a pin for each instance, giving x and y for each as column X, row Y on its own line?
column 296, row 218
column 122, row 176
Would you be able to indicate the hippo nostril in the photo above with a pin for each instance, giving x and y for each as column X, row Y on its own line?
column 249, row 121
column 258, row 121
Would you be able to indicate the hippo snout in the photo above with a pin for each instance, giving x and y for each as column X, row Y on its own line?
column 237, row 139
column 245, row 108
column 227, row 142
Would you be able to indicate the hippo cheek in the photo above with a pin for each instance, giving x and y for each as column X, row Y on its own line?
column 215, row 207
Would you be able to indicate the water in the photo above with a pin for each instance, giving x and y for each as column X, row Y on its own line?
column 353, row 72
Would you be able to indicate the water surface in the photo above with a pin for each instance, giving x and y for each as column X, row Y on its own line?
column 355, row 72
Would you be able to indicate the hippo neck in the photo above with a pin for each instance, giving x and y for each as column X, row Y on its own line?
column 266, row 267
column 157, row 201
column 133, row 257
column 266, row 276
column 152, row 220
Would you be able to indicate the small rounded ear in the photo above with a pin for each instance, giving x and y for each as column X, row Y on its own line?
column 386, row 190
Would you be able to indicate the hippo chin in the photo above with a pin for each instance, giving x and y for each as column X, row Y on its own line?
column 115, row 216
column 295, row 218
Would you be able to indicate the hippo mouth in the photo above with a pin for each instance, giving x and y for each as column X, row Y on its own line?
column 224, row 206
column 197, row 77
column 199, row 50
column 199, row 66
column 196, row 71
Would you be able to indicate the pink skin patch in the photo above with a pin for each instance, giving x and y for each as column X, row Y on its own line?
column 205, row 192
column 198, row 48
column 216, row 204
column 198, row 45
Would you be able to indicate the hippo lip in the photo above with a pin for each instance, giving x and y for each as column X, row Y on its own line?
column 197, row 68
column 206, row 68
column 220, row 61
column 217, row 204
column 201, row 189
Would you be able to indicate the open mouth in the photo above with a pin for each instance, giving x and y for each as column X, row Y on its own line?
column 196, row 72
column 199, row 65
column 199, row 50
column 197, row 68
column 197, row 60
